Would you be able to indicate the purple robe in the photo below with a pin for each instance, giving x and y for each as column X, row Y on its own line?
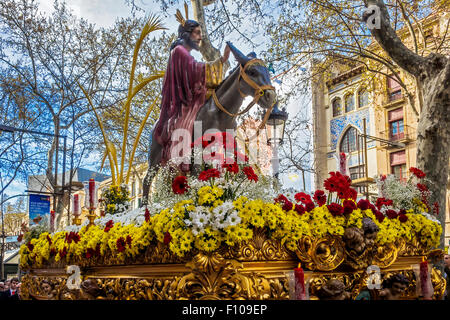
column 183, row 94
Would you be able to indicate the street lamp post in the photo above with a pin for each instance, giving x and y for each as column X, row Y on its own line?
column 275, row 134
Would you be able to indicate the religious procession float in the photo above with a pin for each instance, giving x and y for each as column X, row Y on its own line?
column 224, row 230
column 226, row 234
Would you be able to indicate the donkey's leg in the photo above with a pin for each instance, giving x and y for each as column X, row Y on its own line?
column 154, row 161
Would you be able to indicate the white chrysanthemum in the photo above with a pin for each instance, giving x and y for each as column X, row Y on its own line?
column 233, row 219
column 430, row 217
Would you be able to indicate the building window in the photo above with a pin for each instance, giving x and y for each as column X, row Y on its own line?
column 396, row 127
column 337, row 107
column 133, row 188
column 363, row 98
column 394, row 90
column 349, row 142
column 398, row 165
column 357, row 172
column 349, row 103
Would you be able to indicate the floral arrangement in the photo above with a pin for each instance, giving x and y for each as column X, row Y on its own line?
column 115, row 199
column 212, row 210
column 410, row 195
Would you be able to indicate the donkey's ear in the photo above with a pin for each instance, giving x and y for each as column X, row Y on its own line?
column 238, row 55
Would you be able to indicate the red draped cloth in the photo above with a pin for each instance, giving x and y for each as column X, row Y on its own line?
column 183, row 94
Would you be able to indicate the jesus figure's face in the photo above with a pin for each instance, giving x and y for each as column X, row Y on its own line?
column 196, row 37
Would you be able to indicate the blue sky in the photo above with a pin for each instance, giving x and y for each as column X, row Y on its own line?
column 103, row 13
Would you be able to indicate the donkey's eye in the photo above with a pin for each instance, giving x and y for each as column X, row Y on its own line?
column 251, row 72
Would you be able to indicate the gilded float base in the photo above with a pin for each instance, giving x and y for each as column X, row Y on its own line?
column 204, row 277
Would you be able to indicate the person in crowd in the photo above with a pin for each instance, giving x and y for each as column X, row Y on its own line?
column 447, row 274
column 11, row 293
column 2, row 286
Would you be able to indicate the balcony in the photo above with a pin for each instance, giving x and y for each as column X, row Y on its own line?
column 396, row 139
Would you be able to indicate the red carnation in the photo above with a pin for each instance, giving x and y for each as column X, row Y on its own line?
column 179, row 185
column 207, row 174
column 108, row 225
column 349, row 206
column 391, row 214
column 233, row 167
column 300, row 209
column 309, row 206
column 302, row 197
column 379, row 215
column 120, row 243
column 436, row 208
column 423, row 188
column 335, row 209
column 147, row 215
column 363, row 204
column 72, row 236
column 351, row 194
column 402, row 217
column 337, row 182
column 320, row 197
column 288, row 206
column 417, row 172
column 281, row 198
column 128, row 240
column 383, row 202
column 89, row 253
column 63, row 252
column 167, row 238
column 30, row 246
column 250, row 173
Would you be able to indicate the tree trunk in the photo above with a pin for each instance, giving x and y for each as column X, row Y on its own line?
column 433, row 134
column 207, row 50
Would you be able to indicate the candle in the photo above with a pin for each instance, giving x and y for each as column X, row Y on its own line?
column 52, row 220
column 424, row 278
column 91, row 193
column 299, row 275
column 76, row 205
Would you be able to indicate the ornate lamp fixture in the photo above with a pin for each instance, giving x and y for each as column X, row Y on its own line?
column 275, row 126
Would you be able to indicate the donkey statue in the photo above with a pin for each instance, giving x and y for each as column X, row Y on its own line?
column 250, row 78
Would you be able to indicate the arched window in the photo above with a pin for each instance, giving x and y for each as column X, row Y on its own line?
column 363, row 98
column 349, row 103
column 349, row 142
column 337, row 107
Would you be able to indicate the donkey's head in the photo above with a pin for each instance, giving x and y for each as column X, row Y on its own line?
column 256, row 80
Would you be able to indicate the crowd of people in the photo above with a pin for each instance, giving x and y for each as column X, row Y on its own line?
column 10, row 289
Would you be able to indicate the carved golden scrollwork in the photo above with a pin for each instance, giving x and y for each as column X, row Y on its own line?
column 260, row 248
column 211, row 277
column 410, row 248
column 324, row 254
column 385, row 255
